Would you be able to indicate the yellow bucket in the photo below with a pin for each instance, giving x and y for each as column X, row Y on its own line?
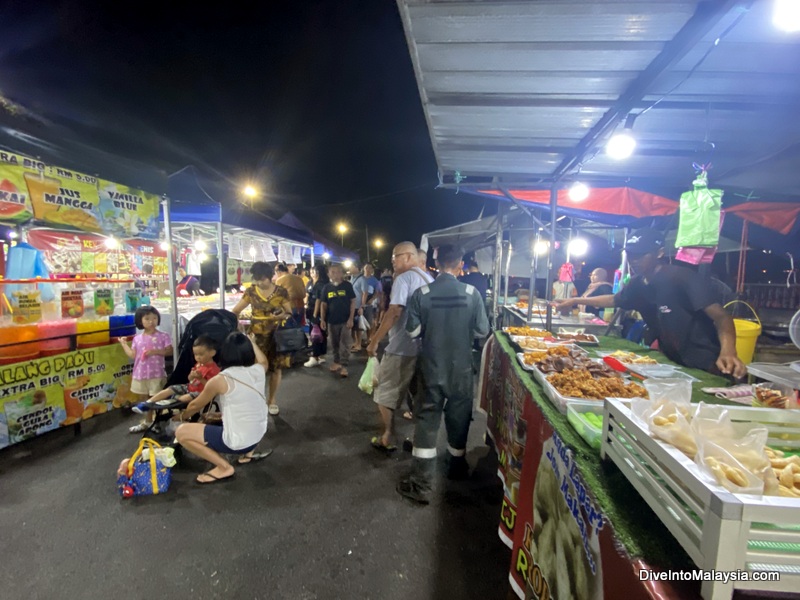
column 747, row 333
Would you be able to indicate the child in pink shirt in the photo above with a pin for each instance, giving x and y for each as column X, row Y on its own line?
column 147, row 350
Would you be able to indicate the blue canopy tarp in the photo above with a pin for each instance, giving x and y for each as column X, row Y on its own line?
column 322, row 245
column 194, row 202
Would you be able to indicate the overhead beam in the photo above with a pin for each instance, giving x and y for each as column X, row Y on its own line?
column 707, row 15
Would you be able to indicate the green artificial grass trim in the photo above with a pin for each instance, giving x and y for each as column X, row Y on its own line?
column 637, row 528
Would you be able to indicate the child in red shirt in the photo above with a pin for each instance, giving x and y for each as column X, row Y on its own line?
column 204, row 350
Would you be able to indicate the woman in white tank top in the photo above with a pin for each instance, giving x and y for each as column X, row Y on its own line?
column 240, row 388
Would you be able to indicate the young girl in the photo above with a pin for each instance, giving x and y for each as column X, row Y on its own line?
column 147, row 350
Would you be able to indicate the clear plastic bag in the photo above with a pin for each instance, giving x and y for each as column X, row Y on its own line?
column 721, row 465
column 668, row 413
column 369, row 379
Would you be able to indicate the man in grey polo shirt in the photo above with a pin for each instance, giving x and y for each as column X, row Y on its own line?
column 400, row 359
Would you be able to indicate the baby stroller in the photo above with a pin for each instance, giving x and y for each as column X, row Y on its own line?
column 216, row 324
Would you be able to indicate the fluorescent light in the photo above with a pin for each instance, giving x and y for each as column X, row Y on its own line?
column 621, row 146
column 541, row 247
column 578, row 192
column 786, row 15
column 578, row 247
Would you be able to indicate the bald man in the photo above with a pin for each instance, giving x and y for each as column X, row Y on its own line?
column 400, row 359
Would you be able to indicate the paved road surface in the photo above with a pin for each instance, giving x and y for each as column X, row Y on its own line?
column 319, row 519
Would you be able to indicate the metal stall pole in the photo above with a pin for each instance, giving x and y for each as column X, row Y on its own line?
column 549, row 281
column 498, row 263
column 532, row 284
column 312, row 257
column 221, row 261
column 507, row 250
column 171, row 275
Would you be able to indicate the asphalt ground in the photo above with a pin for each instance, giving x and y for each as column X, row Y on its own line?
column 318, row 519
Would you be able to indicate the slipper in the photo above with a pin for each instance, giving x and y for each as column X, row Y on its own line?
column 257, row 456
column 273, row 409
column 343, row 373
column 378, row 445
column 213, row 479
column 408, row 415
column 140, row 428
column 335, row 368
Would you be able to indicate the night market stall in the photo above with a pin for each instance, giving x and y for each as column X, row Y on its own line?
column 67, row 292
column 538, row 99
column 206, row 217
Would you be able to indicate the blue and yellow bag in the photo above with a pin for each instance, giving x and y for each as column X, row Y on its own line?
column 145, row 478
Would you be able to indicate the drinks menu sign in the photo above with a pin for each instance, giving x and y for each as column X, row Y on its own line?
column 68, row 199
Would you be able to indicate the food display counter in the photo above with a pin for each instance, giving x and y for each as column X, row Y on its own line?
column 59, row 363
column 515, row 316
column 577, row 526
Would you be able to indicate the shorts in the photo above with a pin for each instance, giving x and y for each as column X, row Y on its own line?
column 369, row 315
column 212, row 436
column 182, row 389
column 394, row 378
column 148, row 387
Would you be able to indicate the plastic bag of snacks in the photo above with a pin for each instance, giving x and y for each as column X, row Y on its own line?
column 740, row 465
column 668, row 413
column 774, row 395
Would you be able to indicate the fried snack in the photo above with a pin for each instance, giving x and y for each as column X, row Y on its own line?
column 770, row 398
column 631, row 358
column 528, row 332
column 724, row 471
column 532, row 343
column 576, row 383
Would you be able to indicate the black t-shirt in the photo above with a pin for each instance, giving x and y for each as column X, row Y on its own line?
column 672, row 304
column 601, row 290
column 338, row 298
column 476, row 280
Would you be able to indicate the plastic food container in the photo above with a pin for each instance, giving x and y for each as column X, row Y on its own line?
column 774, row 395
column 93, row 332
column 19, row 342
column 121, row 326
column 55, row 336
column 591, row 435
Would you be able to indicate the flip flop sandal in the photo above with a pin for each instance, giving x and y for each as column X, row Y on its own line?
column 273, row 409
column 140, row 428
column 257, row 456
column 335, row 369
column 408, row 415
column 378, row 445
column 213, row 479
column 343, row 374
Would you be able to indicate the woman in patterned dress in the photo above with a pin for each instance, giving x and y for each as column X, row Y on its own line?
column 270, row 306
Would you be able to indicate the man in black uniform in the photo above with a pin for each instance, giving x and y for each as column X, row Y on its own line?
column 447, row 315
column 678, row 305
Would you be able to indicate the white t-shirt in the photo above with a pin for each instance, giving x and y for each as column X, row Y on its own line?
column 244, row 407
column 404, row 286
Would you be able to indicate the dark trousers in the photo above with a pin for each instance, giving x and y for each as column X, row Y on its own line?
column 320, row 348
column 341, row 342
column 455, row 401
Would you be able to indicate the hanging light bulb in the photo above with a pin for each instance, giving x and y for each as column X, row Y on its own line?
column 112, row 243
column 12, row 235
column 202, row 257
column 326, row 256
column 578, row 192
column 621, row 145
column 541, row 247
column 786, row 15
column 252, row 251
column 200, row 245
column 164, row 246
column 348, row 263
column 578, row 247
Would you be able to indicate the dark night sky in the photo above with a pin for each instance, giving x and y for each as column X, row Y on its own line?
column 316, row 99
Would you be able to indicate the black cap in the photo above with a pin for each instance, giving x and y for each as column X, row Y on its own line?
column 644, row 241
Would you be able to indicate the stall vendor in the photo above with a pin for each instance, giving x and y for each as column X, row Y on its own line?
column 598, row 286
column 678, row 305
column 190, row 283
